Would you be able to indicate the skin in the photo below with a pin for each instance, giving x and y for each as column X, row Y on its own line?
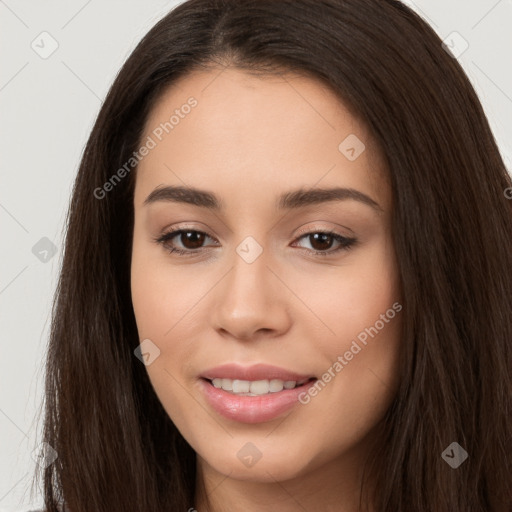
column 248, row 140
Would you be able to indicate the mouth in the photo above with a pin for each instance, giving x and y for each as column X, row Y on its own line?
column 254, row 394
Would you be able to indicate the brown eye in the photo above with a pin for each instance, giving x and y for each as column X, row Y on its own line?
column 192, row 239
column 322, row 241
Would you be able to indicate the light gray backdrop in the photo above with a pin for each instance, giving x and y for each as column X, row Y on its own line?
column 58, row 60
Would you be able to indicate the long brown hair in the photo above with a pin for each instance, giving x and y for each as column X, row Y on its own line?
column 452, row 227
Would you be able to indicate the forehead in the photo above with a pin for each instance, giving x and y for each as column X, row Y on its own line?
column 253, row 135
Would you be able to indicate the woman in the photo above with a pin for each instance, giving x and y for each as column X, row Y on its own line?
column 285, row 275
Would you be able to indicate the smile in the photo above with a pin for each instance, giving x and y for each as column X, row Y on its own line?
column 254, row 394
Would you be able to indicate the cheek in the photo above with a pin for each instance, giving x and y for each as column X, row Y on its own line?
column 165, row 301
column 161, row 294
column 163, row 313
column 361, row 349
column 352, row 297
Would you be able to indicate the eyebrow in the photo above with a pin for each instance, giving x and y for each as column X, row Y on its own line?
column 294, row 199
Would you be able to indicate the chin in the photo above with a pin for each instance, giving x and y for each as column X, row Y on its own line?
column 265, row 464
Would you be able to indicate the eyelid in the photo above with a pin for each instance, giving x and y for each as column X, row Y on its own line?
column 314, row 229
column 187, row 227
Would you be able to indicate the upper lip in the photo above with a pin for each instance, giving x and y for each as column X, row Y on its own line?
column 254, row 372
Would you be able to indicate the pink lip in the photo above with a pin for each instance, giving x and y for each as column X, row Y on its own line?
column 252, row 409
column 254, row 372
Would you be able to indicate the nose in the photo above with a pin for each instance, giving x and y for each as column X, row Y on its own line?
column 251, row 301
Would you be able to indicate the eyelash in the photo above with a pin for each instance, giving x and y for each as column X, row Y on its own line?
column 345, row 242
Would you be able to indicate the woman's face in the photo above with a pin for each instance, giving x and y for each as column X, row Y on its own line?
column 273, row 344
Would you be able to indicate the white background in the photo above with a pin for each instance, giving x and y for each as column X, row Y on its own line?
column 48, row 107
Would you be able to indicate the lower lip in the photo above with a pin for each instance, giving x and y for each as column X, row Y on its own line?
column 252, row 409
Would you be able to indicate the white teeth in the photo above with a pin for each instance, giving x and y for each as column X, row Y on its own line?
column 255, row 387
column 276, row 385
column 227, row 384
column 240, row 386
column 260, row 387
